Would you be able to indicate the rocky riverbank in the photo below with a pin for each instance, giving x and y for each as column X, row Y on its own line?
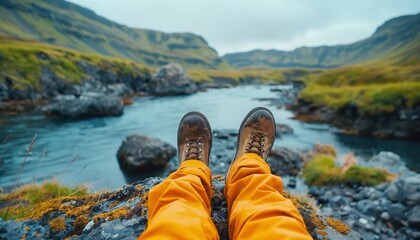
column 387, row 211
column 99, row 93
column 401, row 124
column 122, row 213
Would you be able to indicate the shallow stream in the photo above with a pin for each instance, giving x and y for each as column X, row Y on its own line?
column 80, row 152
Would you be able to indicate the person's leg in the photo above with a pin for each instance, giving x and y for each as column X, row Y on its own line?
column 257, row 208
column 179, row 207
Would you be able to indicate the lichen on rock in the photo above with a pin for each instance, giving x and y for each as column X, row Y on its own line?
column 122, row 214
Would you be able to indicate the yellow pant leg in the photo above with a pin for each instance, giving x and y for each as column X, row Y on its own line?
column 257, row 208
column 179, row 207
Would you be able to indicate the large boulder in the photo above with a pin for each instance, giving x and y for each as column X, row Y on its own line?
column 86, row 105
column 285, row 162
column 171, row 79
column 142, row 154
column 283, row 129
column 405, row 190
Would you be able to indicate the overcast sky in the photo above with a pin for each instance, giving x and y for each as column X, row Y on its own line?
column 243, row 25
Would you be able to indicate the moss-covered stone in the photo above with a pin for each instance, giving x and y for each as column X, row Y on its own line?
column 124, row 212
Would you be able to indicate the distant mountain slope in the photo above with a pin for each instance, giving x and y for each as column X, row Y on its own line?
column 66, row 24
column 397, row 40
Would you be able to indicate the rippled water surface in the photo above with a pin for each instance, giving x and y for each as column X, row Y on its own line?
column 85, row 151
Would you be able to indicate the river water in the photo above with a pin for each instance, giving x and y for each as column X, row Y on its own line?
column 84, row 152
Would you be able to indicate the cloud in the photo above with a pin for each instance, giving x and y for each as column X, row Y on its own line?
column 238, row 25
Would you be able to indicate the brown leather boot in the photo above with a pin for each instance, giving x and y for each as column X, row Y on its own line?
column 194, row 138
column 257, row 133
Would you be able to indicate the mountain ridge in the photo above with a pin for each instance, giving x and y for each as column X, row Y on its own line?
column 392, row 35
column 66, row 24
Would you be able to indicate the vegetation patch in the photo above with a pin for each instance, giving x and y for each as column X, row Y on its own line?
column 23, row 62
column 337, row 225
column 57, row 224
column 321, row 170
column 373, row 89
column 26, row 199
column 263, row 75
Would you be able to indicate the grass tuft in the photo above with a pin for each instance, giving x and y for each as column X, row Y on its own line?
column 23, row 200
column 321, row 170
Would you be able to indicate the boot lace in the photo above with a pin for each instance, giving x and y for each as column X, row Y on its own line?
column 256, row 143
column 193, row 148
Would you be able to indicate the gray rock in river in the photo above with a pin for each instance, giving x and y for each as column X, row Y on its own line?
column 87, row 105
column 171, row 79
column 283, row 129
column 285, row 162
column 139, row 153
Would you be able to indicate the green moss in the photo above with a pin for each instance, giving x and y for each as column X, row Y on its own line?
column 365, row 176
column 321, row 170
column 24, row 199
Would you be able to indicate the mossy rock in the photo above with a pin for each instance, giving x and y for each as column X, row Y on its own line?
column 123, row 213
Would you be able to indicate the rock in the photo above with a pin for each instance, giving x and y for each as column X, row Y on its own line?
column 313, row 191
column 394, row 192
column 405, row 190
column 171, row 80
column 414, row 217
column 124, row 216
column 285, row 162
column 337, row 200
column 139, row 153
column 386, row 159
column 88, row 226
column 363, row 221
column 283, row 129
column 291, row 183
column 119, row 89
column 412, row 190
column 397, row 210
column 4, row 92
column 390, row 161
column 87, row 105
column 415, row 235
column 348, row 118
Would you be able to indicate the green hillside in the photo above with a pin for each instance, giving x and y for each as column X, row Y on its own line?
column 69, row 25
column 22, row 63
column 396, row 41
column 373, row 89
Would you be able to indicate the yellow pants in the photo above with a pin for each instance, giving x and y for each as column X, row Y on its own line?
column 179, row 207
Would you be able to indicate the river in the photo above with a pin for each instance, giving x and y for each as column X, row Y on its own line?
column 84, row 152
